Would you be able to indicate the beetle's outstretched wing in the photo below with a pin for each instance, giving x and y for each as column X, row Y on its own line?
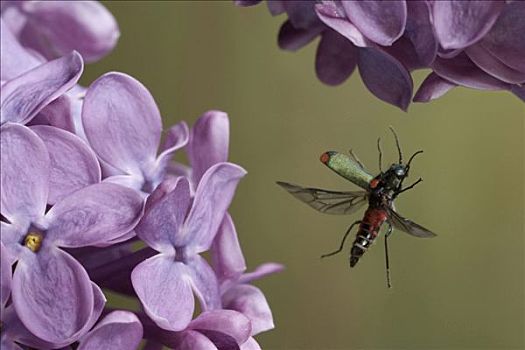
column 329, row 202
column 408, row 226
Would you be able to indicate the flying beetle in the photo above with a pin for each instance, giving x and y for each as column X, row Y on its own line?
column 379, row 191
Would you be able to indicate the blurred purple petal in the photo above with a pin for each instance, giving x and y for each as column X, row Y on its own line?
column 292, row 39
column 212, row 199
column 519, row 91
column 404, row 52
column 336, row 58
column 119, row 330
column 301, row 13
column 94, row 214
column 276, row 7
column 261, row 271
column 210, row 136
column 381, row 21
column 420, row 31
column 164, row 215
column 250, row 344
column 227, row 257
column 47, row 288
column 204, row 283
column 462, row 71
column 23, row 97
column 228, row 322
column 247, row 2
column 25, row 174
column 122, row 122
column 5, row 276
column 333, row 15
column 165, row 292
column 385, row 77
column 459, row 24
column 14, row 59
column 433, row 87
column 493, row 66
column 73, row 164
column 250, row 301
column 85, row 26
column 505, row 40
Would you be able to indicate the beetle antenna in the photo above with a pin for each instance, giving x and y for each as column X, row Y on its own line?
column 415, row 154
column 397, row 144
column 380, row 153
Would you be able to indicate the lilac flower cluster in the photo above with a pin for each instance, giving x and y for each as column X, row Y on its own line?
column 91, row 200
column 475, row 44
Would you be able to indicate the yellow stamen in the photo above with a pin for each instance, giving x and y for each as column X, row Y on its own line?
column 33, row 241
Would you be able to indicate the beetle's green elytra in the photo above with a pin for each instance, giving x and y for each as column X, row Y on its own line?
column 347, row 168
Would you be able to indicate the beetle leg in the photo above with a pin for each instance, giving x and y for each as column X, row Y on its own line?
column 342, row 242
column 380, row 153
column 407, row 188
column 387, row 262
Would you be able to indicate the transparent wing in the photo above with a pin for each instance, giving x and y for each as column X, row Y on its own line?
column 329, row 202
column 408, row 226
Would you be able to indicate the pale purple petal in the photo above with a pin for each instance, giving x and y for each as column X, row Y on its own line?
column 52, row 294
column 381, row 21
column 292, row 39
column 432, row 88
column 119, row 330
column 192, row 340
column 122, row 122
column 250, row 301
column 11, row 235
column 14, row 59
column 85, row 26
column 462, row 71
column 23, row 97
column 459, row 24
column 25, row 174
column 385, row 77
column 73, row 164
column 93, row 215
column 177, row 137
column 5, row 276
column 228, row 322
column 165, row 292
column 164, row 216
column 301, row 13
column 333, row 15
column 210, row 137
column 493, row 66
column 250, row 344
column 212, row 199
column 99, row 301
column 58, row 113
column 506, row 38
column 261, row 271
column 204, row 283
column 227, row 257
column 420, row 31
column 336, row 58
column 130, row 181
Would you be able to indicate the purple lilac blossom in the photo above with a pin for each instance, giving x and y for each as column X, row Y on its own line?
column 475, row 44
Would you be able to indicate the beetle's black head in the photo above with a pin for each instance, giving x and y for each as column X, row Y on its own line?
column 394, row 175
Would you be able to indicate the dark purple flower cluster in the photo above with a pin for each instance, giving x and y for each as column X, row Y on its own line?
column 476, row 44
column 91, row 200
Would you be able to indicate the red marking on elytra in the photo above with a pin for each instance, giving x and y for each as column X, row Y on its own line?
column 374, row 183
column 325, row 157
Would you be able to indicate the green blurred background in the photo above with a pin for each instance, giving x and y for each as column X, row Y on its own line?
column 461, row 290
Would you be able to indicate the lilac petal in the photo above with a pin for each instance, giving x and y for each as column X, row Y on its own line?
column 301, row 13
column 204, row 283
column 292, row 39
column 22, row 98
column 385, row 77
column 164, row 215
column 420, row 31
column 85, row 26
column 11, row 235
column 59, row 114
column 5, row 276
column 122, row 122
column 505, row 39
column 404, row 52
column 212, row 199
column 459, row 24
column 52, row 294
column 192, row 340
column 250, row 301
column 99, row 301
column 333, row 15
column 493, row 66
column 209, row 141
column 177, row 137
column 276, row 7
column 433, row 87
column 519, row 91
column 246, row 2
column 119, row 330
column 73, row 164
column 250, row 344
column 25, row 174
column 14, row 59
column 228, row 322
column 130, row 181
column 227, row 257
column 462, row 71
column 381, row 21
column 336, row 58
column 94, row 214
column 261, row 271
column 165, row 292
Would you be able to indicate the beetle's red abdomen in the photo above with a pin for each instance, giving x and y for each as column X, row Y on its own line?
column 368, row 231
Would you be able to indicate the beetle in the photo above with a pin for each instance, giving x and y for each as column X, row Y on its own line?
column 378, row 191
